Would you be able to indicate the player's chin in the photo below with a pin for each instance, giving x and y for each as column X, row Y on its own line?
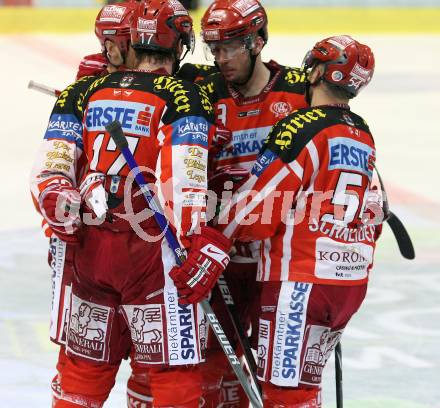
column 231, row 76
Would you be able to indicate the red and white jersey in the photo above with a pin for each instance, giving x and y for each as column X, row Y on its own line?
column 168, row 125
column 308, row 195
column 60, row 157
column 251, row 119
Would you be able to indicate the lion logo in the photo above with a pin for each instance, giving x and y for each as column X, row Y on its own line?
column 87, row 323
column 139, row 332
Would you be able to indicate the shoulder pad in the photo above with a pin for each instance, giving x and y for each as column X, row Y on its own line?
column 290, row 135
column 215, row 87
column 183, row 98
column 69, row 96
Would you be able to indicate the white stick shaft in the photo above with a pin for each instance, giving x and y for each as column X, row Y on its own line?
column 44, row 89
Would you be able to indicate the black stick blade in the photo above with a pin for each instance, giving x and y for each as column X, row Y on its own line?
column 403, row 239
column 117, row 134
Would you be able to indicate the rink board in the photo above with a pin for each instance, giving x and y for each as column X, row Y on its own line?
column 18, row 20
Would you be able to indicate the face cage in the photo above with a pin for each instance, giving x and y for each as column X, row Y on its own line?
column 230, row 51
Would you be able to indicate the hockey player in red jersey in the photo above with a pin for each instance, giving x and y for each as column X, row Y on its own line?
column 122, row 293
column 112, row 27
column 64, row 125
column 249, row 97
column 308, row 200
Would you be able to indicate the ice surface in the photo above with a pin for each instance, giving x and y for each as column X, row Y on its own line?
column 391, row 348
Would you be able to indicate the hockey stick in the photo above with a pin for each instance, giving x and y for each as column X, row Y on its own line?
column 338, row 375
column 223, row 287
column 44, row 89
column 242, row 337
column 117, row 134
column 403, row 239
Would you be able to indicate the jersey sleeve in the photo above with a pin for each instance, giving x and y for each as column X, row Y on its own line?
column 184, row 136
column 61, row 149
column 278, row 177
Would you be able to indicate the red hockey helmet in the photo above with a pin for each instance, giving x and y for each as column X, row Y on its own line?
column 228, row 19
column 158, row 25
column 348, row 63
column 113, row 23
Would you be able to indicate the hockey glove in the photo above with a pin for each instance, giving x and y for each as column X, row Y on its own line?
column 92, row 65
column 207, row 259
column 93, row 193
column 59, row 205
column 229, row 178
column 222, row 140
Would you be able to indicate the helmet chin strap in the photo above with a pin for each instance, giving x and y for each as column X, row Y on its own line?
column 308, row 93
column 251, row 71
column 177, row 61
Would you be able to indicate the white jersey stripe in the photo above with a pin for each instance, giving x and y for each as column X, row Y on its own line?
column 259, row 197
column 267, row 246
column 260, row 270
column 239, row 195
column 296, row 168
column 313, row 152
column 287, row 247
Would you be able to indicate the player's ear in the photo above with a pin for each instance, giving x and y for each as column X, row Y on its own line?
column 109, row 48
column 258, row 45
column 316, row 73
column 179, row 49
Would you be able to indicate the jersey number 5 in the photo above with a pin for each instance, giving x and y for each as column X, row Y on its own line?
column 346, row 198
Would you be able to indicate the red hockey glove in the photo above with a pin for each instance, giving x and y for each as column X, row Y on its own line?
column 207, row 259
column 236, row 176
column 92, row 65
column 59, row 205
column 222, row 140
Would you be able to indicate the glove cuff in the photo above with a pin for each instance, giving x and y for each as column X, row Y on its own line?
column 216, row 237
